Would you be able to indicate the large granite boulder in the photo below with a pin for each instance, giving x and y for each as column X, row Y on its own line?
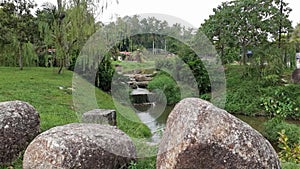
column 80, row 146
column 19, row 124
column 199, row 135
column 100, row 116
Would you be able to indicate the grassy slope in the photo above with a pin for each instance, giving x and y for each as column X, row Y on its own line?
column 40, row 88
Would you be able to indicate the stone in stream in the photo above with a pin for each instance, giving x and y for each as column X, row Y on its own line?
column 199, row 135
column 19, row 124
column 91, row 146
column 142, row 77
column 140, row 95
column 100, row 116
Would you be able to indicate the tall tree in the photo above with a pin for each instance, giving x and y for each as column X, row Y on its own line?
column 218, row 29
column 248, row 23
column 74, row 22
column 20, row 23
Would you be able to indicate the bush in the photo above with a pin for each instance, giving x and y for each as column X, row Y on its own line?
column 242, row 93
column 270, row 80
column 279, row 105
column 281, row 101
column 288, row 153
column 242, row 98
column 104, row 74
column 187, row 68
column 275, row 125
column 164, row 83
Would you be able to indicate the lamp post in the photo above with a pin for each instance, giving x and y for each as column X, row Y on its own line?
column 249, row 53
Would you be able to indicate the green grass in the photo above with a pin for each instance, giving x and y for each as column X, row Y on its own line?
column 40, row 87
column 290, row 166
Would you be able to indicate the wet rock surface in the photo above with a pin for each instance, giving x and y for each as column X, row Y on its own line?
column 80, row 146
column 19, row 124
column 199, row 135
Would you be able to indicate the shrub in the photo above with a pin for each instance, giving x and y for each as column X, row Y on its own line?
column 242, row 98
column 186, row 68
column 281, row 102
column 279, row 105
column 275, row 125
column 288, row 153
column 270, row 80
column 164, row 83
column 104, row 74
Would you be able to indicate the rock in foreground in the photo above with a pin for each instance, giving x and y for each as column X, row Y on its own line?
column 199, row 135
column 100, row 116
column 19, row 124
column 80, row 146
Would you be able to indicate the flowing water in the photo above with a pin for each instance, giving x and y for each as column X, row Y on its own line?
column 155, row 117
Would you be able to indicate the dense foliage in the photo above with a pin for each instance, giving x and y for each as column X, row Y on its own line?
column 274, row 126
column 246, row 25
column 288, row 153
column 17, row 33
column 164, row 86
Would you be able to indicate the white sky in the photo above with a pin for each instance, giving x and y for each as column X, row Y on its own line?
column 192, row 11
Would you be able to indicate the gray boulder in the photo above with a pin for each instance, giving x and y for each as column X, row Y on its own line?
column 199, row 135
column 142, row 77
column 100, row 116
column 296, row 76
column 80, row 146
column 19, row 124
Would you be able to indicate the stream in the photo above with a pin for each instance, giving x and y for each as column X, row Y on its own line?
column 156, row 121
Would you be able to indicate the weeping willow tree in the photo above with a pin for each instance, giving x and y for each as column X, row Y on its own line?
column 29, row 54
column 18, row 28
column 71, row 23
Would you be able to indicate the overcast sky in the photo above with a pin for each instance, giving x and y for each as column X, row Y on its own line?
column 192, row 11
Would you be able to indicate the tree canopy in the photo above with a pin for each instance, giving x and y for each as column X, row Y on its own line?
column 245, row 24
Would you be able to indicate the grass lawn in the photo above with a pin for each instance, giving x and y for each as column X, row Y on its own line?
column 48, row 92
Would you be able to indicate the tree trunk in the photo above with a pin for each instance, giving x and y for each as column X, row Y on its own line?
column 20, row 56
column 153, row 47
column 60, row 68
column 244, row 55
column 280, row 25
column 165, row 45
column 222, row 54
